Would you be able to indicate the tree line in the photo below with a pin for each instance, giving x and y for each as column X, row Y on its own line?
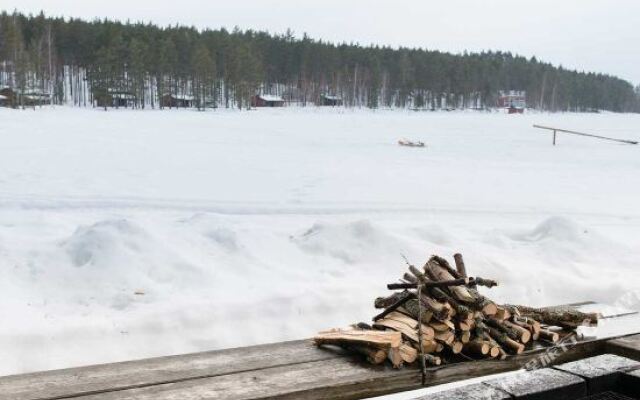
column 88, row 63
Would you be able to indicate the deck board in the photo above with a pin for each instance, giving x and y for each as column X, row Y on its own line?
column 286, row 370
column 628, row 346
column 338, row 378
column 117, row 376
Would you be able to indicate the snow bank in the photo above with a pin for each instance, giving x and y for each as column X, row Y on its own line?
column 134, row 234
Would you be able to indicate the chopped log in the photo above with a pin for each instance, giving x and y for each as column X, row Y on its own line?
column 395, row 357
column 442, row 296
column 477, row 347
column 499, row 336
column 506, row 341
column 464, row 325
column 432, row 360
column 436, row 292
column 549, row 335
column 566, row 318
column 513, row 310
column 502, row 313
column 482, row 303
column 440, row 311
column 402, row 318
column 442, row 326
column 410, row 308
column 430, row 346
column 465, row 337
column 471, row 322
column 377, row 339
column 409, row 278
column 373, row 355
column 386, row 302
column 456, row 347
column 502, row 354
column 433, row 268
column 494, row 352
column 445, row 264
column 399, row 302
column 495, row 348
column 509, row 331
column 445, row 337
column 462, row 270
column 439, row 347
column 485, row 305
column 429, row 284
column 532, row 325
column 525, row 334
column 408, row 353
column 477, row 281
column 417, row 273
column 406, row 330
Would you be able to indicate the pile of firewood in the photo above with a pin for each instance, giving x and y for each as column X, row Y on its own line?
column 457, row 322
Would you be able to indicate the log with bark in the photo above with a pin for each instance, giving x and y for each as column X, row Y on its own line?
column 563, row 317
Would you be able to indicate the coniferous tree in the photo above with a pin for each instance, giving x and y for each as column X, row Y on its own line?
column 102, row 61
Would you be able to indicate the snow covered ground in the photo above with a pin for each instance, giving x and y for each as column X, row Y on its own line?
column 128, row 234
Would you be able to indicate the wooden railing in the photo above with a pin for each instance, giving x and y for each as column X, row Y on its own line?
column 555, row 130
column 289, row 370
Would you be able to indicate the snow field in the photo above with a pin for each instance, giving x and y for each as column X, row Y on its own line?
column 128, row 234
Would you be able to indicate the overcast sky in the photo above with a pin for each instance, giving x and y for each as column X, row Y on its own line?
column 592, row 35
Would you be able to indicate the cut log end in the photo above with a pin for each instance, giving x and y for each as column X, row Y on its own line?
column 549, row 335
column 477, row 348
column 456, row 347
column 490, row 309
column 395, row 357
column 432, row 360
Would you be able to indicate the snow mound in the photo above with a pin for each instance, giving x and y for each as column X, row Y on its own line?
column 554, row 229
column 630, row 300
column 105, row 241
column 212, row 228
column 114, row 258
column 435, row 234
column 351, row 242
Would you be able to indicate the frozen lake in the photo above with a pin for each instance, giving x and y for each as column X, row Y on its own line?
column 127, row 234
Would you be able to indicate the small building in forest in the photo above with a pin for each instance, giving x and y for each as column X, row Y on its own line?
column 32, row 99
column 267, row 100
column 512, row 100
column 330, row 100
column 117, row 99
column 170, row 100
column 7, row 97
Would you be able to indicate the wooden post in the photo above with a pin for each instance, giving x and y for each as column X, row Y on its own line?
column 460, row 265
column 554, row 137
column 423, row 367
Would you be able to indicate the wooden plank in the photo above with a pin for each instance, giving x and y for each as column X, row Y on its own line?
column 338, row 378
column 375, row 338
column 628, row 346
column 117, row 376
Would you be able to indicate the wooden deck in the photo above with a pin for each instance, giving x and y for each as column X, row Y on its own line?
column 286, row 370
